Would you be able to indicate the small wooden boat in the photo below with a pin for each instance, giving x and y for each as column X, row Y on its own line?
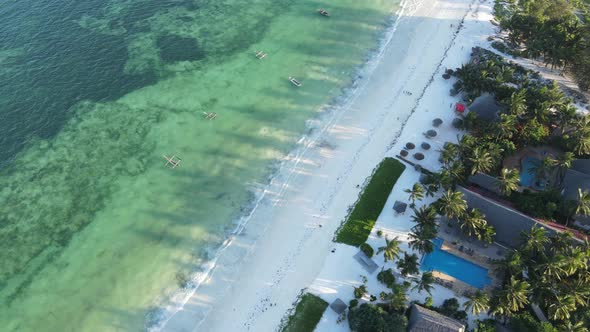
column 295, row 82
column 323, row 12
column 210, row 115
column 260, row 55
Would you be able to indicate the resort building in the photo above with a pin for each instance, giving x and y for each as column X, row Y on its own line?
column 507, row 222
column 577, row 177
column 485, row 181
column 486, row 107
column 426, row 320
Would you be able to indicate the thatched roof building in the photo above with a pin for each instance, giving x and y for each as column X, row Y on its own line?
column 426, row 320
column 507, row 222
column 486, row 107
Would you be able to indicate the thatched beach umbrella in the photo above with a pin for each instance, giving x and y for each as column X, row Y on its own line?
column 400, row 207
column 425, row 146
column 418, row 156
column 458, row 123
column 410, row 145
column 431, row 133
column 437, row 122
column 403, row 153
column 338, row 306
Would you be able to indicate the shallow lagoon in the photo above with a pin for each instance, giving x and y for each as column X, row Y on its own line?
column 95, row 230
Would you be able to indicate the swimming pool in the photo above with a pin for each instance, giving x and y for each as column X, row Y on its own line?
column 455, row 266
column 527, row 175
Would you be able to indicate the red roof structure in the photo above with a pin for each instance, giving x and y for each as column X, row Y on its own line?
column 459, row 107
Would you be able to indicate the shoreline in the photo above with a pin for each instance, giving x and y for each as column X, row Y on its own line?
column 336, row 153
column 314, row 131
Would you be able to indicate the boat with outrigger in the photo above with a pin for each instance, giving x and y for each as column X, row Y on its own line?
column 323, row 12
column 261, row 55
column 295, row 82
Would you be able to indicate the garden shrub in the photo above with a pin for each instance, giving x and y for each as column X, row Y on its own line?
column 367, row 249
column 386, row 277
column 525, row 322
column 372, row 318
column 359, row 291
column 353, row 303
column 542, row 204
column 486, row 325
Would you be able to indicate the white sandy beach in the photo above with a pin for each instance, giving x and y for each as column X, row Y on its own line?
column 286, row 245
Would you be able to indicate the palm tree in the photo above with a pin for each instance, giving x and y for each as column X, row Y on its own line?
column 512, row 264
column 515, row 294
column 507, row 126
column 398, row 297
column 421, row 238
column 451, row 204
column 575, row 260
column 561, row 243
column 391, row 250
column 560, row 307
column 416, row 193
column 568, row 326
column 424, row 215
column 508, row 181
column 408, row 265
column 582, row 143
column 425, row 283
column 477, row 303
column 534, row 241
column 553, row 269
column 564, row 162
column 472, row 222
column 449, row 153
column 456, row 172
column 583, row 203
column 481, row 161
column 542, row 168
column 518, row 103
column 487, row 234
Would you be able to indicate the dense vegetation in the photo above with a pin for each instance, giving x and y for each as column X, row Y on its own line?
column 373, row 318
column 359, row 223
column 550, row 271
column 307, row 314
column 555, row 31
column 534, row 112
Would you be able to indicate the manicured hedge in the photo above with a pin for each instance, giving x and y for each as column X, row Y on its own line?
column 307, row 314
column 358, row 224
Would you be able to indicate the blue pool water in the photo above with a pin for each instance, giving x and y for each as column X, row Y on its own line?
column 527, row 176
column 456, row 267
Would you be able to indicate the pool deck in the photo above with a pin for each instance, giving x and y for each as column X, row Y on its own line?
column 474, row 251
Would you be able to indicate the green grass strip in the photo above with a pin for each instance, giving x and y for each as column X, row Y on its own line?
column 307, row 314
column 360, row 221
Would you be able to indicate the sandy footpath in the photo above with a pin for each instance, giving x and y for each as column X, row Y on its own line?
column 283, row 247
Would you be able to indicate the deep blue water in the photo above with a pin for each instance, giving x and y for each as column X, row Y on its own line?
column 456, row 267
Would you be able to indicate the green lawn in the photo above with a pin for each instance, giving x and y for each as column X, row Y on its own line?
column 307, row 314
column 358, row 224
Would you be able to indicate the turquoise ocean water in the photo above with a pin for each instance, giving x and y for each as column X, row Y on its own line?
column 95, row 232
